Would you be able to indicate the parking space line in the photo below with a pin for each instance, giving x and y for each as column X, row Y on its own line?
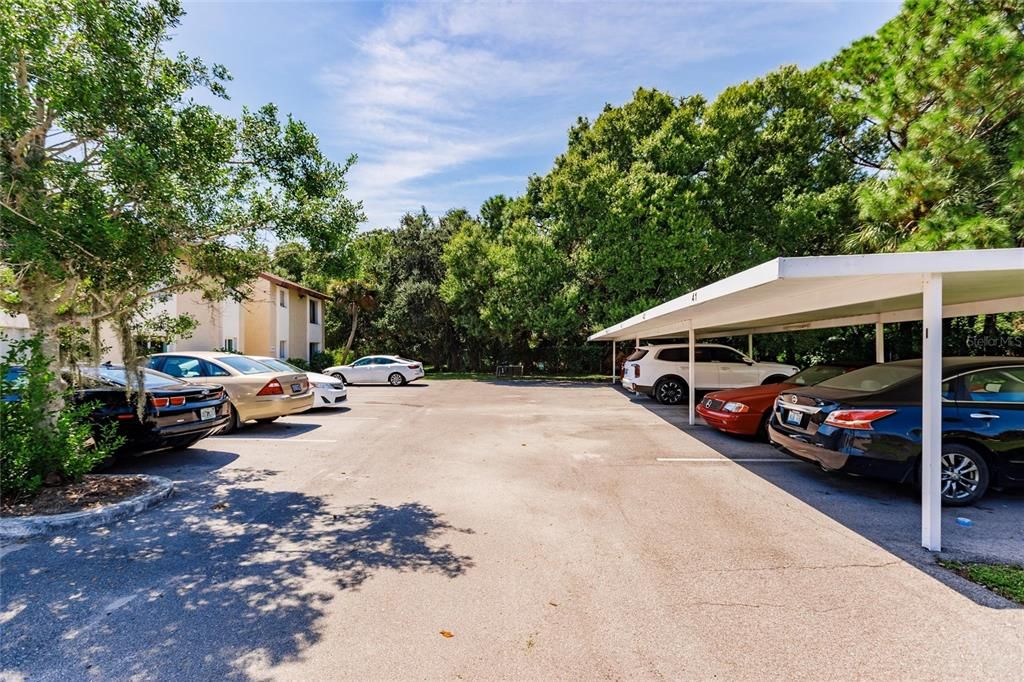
column 288, row 440
column 726, row 459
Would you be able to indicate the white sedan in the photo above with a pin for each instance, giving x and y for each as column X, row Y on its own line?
column 328, row 391
column 378, row 369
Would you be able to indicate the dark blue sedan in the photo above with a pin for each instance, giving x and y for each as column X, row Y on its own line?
column 868, row 422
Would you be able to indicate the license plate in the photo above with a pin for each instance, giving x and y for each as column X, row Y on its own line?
column 296, row 388
column 207, row 413
column 794, row 417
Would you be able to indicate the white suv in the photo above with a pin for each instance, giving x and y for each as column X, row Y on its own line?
column 660, row 371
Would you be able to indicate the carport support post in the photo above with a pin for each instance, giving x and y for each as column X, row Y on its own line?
column 750, row 346
column 931, row 414
column 879, row 342
column 691, row 343
column 613, row 361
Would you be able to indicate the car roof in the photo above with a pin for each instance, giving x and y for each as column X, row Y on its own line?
column 964, row 363
column 203, row 354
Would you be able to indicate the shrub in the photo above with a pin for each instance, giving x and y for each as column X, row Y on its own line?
column 298, row 362
column 320, row 361
column 41, row 445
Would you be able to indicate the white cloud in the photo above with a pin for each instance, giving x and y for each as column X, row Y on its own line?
column 440, row 87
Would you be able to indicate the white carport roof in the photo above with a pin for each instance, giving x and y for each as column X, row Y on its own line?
column 792, row 294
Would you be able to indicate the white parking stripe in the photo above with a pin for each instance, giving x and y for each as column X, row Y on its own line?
column 726, row 459
column 284, row 440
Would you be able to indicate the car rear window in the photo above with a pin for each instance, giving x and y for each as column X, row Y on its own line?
column 280, row 365
column 244, row 365
column 873, row 378
column 638, row 354
column 115, row 376
column 815, row 375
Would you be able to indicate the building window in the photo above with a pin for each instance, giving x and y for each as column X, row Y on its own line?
column 229, row 345
column 314, row 348
column 282, row 298
column 314, row 312
column 282, row 350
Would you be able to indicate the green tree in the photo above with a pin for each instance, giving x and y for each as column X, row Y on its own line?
column 353, row 296
column 119, row 188
column 933, row 105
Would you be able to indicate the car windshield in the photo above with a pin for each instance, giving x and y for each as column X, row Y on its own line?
column 244, row 365
column 280, row 365
column 115, row 376
column 873, row 378
column 815, row 375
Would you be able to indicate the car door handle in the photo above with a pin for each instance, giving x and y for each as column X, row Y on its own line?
column 984, row 415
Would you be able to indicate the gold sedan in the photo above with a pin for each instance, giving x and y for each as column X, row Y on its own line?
column 255, row 390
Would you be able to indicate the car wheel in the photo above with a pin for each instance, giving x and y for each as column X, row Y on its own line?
column 396, row 379
column 670, row 391
column 774, row 379
column 234, row 423
column 965, row 475
column 266, row 420
column 762, row 428
column 339, row 375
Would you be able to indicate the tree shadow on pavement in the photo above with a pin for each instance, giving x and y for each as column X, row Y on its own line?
column 888, row 514
column 227, row 577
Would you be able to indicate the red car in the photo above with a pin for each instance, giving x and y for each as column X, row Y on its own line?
column 746, row 410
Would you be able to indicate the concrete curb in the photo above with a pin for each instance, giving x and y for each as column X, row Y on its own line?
column 25, row 527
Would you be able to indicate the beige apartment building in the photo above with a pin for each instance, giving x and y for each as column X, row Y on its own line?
column 279, row 318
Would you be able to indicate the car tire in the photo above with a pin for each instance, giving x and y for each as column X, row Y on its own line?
column 671, row 391
column 965, row 475
column 267, row 420
column 396, row 379
column 762, row 428
column 339, row 375
column 774, row 379
column 234, row 423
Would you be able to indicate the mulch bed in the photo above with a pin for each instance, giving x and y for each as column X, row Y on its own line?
column 90, row 492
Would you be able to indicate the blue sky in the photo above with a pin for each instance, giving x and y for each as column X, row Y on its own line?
column 447, row 104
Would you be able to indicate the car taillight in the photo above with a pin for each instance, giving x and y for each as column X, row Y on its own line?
column 413, row 366
column 160, row 402
column 856, row 419
column 636, row 371
column 273, row 387
column 178, row 400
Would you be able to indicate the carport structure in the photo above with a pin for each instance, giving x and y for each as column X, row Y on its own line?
column 817, row 292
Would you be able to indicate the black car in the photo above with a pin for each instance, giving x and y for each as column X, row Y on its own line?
column 176, row 413
column 868, row 422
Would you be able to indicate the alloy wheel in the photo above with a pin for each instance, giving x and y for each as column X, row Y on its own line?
column 960, row 476
column 395, row 379
column 670, row 393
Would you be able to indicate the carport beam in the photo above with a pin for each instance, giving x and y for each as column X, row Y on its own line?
column 691, row 344
column 931, row 414
column 879, row 342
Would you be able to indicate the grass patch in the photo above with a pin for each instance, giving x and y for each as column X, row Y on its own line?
column 1006, row 580
column 489, row 376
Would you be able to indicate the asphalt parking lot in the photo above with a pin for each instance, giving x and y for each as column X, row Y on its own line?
column 553, row 530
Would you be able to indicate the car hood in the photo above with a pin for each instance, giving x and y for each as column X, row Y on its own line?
column 750, row 392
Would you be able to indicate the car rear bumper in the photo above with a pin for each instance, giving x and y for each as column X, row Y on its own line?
column 747, row 423
column 141, row 439
column 276, row 406
column 837, row 452
column 631, row 385
column 329, row 397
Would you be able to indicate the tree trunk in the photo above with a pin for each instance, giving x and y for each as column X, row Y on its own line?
column 352, row 332
column 47, row 329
